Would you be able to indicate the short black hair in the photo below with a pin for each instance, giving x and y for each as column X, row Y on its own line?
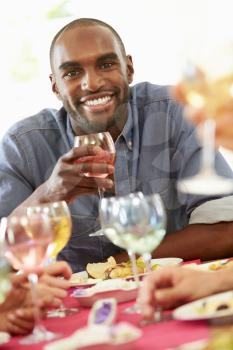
column 85, row 22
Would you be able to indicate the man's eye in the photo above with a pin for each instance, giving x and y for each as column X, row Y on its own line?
column 106, row 65
column 72, row 74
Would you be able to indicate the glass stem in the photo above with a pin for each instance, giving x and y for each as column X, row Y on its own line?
column 147, row 260
column 101, row 193
column 132, row 258
column 208, row 141
column 33, row 279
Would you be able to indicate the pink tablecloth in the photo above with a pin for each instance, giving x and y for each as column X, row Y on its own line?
column 155, row 336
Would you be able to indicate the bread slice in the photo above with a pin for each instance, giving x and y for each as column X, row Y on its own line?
column 98, row 270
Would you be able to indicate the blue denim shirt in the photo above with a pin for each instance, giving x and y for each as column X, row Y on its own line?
column 155, row 149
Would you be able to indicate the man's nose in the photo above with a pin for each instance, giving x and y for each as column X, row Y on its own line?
column 92, row 81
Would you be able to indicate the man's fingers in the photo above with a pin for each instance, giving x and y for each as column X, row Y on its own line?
column 83, row 151
column 94, row 168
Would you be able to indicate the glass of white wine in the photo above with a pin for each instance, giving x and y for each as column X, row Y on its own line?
column 206, row 86
column 134, row 222
column 103, row 140
column 59, row 216
column 26, row 243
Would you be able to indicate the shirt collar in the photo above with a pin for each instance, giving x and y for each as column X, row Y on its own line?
column 126, row 134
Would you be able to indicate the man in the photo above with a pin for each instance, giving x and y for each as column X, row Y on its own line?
column 155, row 146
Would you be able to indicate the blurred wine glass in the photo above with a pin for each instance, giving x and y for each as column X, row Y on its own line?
column 103, row 140
column 136, row 223
column 206, row 86
column 59, row 217
column 26, row 243
column 5, row 284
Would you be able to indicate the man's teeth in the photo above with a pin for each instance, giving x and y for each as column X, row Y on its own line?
column 98, row 101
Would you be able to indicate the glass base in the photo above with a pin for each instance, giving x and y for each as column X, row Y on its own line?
column 97, row 233
column 206, row 184
column 62, row 312
column 134, row 309
column 39, row 334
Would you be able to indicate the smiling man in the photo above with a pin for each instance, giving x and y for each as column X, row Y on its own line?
column 91, row 75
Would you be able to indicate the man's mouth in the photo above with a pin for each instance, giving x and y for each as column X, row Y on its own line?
column 98, row 101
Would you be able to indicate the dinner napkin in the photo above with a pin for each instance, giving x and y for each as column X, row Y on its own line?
column 97, row 334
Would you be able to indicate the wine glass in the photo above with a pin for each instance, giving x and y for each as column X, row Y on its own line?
column 103, row 140
column 109, row 212
column 134, row 222
column 5, row 284
column 26, row 243
column 58, row 214
column 207, row 87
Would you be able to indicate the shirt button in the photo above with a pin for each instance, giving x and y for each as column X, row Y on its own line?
column 130, row 145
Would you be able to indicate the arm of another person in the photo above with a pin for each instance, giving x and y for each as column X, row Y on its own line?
column 173, row 286
column 202, row 241
column 196, row 241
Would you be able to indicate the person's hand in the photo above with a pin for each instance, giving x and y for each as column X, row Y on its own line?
column 68, row 179
column 224, row 121
column 58, row 269
column 17, row 321
column 173, row 286
column 53, row 282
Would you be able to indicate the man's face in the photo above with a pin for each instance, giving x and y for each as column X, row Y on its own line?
column 91, row 77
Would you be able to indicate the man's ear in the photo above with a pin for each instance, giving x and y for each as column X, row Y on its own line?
column 130, row 69
column 54, row 86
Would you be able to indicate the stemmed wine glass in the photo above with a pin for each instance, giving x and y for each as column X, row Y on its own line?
column 58, row 214
column 26, row 242
column 103, row 140
column 207, row 87
column 134, row 222
column 5, row 284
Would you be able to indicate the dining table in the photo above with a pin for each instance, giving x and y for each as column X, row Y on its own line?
column 167, row 334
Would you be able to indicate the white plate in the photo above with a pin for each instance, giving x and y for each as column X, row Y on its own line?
column 166, row 261
column 120, row 290
column 207, row 266
column 195, row 310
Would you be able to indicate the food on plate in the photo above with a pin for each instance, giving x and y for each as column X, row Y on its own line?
column 155, row 267
column 219, row 265
column 212, row 306
column 98, row 270
column 110, row 269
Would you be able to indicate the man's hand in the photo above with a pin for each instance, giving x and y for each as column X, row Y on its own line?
column 68, row 179
column 173, row 286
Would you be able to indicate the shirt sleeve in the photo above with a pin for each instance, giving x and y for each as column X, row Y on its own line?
column 213, row 211
column 15, row 186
